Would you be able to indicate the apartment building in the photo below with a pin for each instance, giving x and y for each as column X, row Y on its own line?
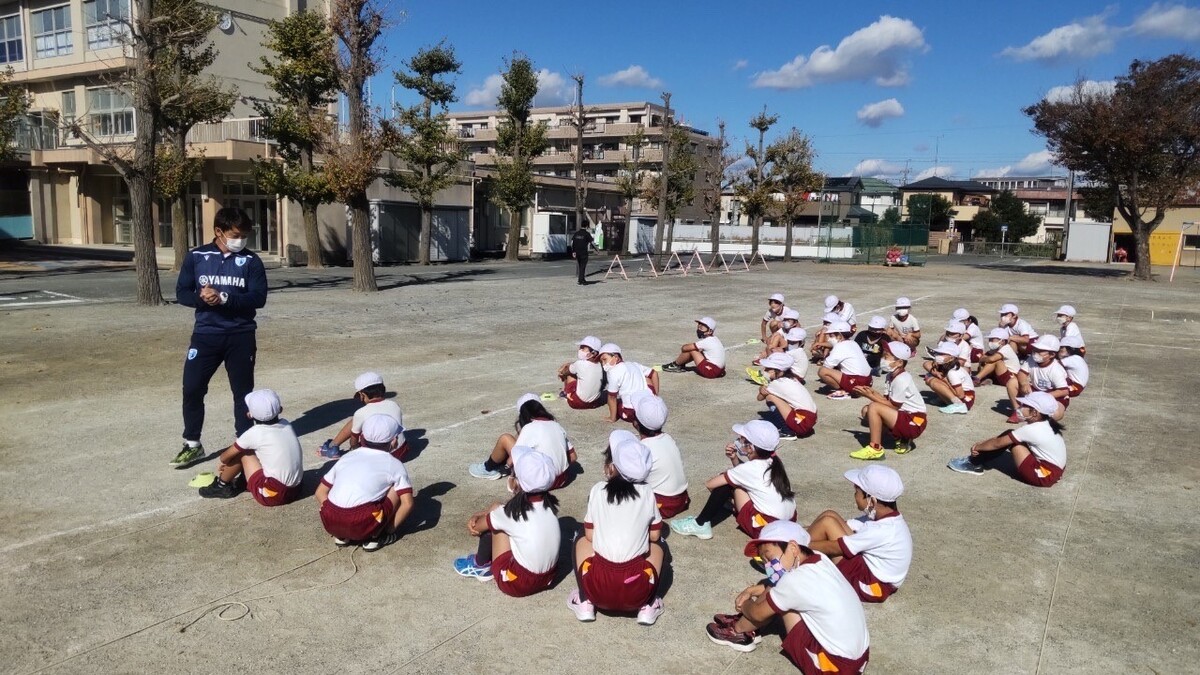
column 848, row 200
column 968, row 197
column 1044, row 196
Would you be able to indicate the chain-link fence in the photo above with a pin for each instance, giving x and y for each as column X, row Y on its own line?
column 1011, row 249
column 875, row 244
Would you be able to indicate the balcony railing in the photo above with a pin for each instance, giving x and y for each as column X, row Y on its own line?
column 246, row 129
column 30, row 134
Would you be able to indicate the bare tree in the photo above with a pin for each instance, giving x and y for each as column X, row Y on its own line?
column 793, row 175
column 517, row 141
column 663, row 175
column 579, row 121
column 631, row 178
column 679, row 186
column 717, row 179
column 762, row 193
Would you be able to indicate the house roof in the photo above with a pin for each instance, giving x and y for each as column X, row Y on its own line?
column 860, row 212
column 877, row 186
column 933, row 183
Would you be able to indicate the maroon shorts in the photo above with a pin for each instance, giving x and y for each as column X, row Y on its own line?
column 709, row 370
column 561, row 481
column 401, row 451
column 976, row 354
column 869, row 589
column 670, row 506
column 625, row 414
column 750, row 521
column 1038, row 473
column 513, row 579
column 811, row 658
column 618, row 587
column 357, row 523
column 270, row 492
column 1073, row 389
column 849, row 382
column 571, row 388
column 968, row 399
column 1002, row 379
column 801, row 422
column 909, row 425
column 1065, row 401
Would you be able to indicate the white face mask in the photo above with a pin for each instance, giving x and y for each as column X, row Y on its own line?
column 584, row 354
column 1043, row 357
column 833, row 340
column 886, row 367
column 870, row 510
column 235, row 245
column 1007, row 320
column 1062, row 320
column 608, row 366
column 902, row 313
column 740, row 447
column 994, row 345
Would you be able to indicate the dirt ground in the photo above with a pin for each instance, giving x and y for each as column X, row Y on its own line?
column 112, row 564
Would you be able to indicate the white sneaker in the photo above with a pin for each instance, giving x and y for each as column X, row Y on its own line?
column 584, row 610
column 479, row 470
column 648, row 614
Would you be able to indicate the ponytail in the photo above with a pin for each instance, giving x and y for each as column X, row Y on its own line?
column 530, row 411
column 777, row 475
column 619, row 488
column 1055, row 425
column 521, row 503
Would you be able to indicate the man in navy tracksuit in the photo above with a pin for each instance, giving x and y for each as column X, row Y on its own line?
column 226, row 284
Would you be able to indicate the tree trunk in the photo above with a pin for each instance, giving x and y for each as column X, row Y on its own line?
column 426, row 233
column 145, row 261
column 364, row 261
column 714, row 233
column 179, row 225
column 670, row 235
column 1141, row 237
column 580, row 119
column 512, row 249
column 139, row 171
column 664, row 177
column 787, row 240
column 757, row 224
column 312, row 236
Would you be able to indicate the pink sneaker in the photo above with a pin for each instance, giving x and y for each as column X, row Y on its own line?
column 648, row 614
column 584, row 610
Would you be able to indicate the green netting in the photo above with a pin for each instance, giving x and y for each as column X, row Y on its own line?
column 870, row 244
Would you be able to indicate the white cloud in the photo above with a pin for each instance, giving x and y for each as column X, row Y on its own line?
column 874, row 114
column 1077, row 40
column 552, row 90
column 877, row 168
column 939, row 171
column 1170, row 21
column 1063, row 93
column 874, row 53
column 633, row 76
column 741, row 64
column 1037, row 163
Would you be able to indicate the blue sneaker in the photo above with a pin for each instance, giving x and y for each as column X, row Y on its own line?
column 329, row 451
column 466, row 567
column 688, row 527
column 965, row 465
column 954, row 409
column 480, row 470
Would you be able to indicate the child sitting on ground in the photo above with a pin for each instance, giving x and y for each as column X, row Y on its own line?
column 843, row 309
column 1037, row 448
column 820, row 345
column 786, row 395
column 368, row 390
column 757, row 485
column 845, row 370
column 1000, row 362
column 626, row 379
column 1041, row 372
column 618, row 560
column 582, row 378
column 873, row 551
column 267, row 456
column 902, row 325
column 706, row 353
column 1067, row 328
column 667, row 477
column 367, row 495
column 537, row 429
column 794, row 348
column 900, row 409
column 773, row 319
column 871, row 340
column 1020, row 333
column 519, row 540
column 1070, row 355
column 950, row 380
column 777, row 341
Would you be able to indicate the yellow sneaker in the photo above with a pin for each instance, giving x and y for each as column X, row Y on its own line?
column 868, row 452
column 757, row 377
column 903, row 447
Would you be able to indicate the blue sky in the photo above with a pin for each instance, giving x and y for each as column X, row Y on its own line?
column 878, row 86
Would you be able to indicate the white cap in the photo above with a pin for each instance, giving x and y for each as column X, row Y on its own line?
column 526, row 398
column 790, row 313
column 1066, row 310
column 708, row 321
column 263, row 404
column 591, row 342
column 956, row 327
column 838, row 326
column 898, row 349
column 877, row 481
column 1040, row 401
column 877, row 322
column 778, row 361
column 961, row 314
column 610, row 348
column 778, row 532
column 1009, row 309
column 830, row 317
column 946, row 349
column 776, row 297
column 796, row 334
column 831, row 301
column 1045, row 343
column 903, row 302
column 367, row 379
column 631, row 459
column 760, row 433
column 651, row 411
column 535, row 471
column 1072, row 341
column 999, row 334
column 380, row 429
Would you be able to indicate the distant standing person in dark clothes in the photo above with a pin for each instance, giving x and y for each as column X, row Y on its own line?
column 226, row 284
column 581, row 242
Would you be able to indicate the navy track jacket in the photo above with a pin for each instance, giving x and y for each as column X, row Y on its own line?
column 241, row 276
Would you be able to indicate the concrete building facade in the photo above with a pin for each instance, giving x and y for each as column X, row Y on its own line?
column 1044, row 196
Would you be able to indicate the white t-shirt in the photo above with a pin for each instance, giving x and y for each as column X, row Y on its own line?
column 848, row 357
column 831, row 610
column 964, row 351
column 534, row 540
column 1071, row 329
column 384, row 407
column 848, row 315
column 714, row 351
column 667, row 477
column 975, row 336
column 365, row 476
column 755, row 478
column 903, row 391
column 961, row 377
column 885, row 544
column 769, row 317
column 549, row 438
column 1045, row 378
column 799, row 362
column 1011, row 360
column 1042, row 442
column 793, row 393
column 621, row 532
column 626, row 379
column 589, row 375
column 1022, row 327
column 1077, row 369
column 276, row 446
column 908, row 324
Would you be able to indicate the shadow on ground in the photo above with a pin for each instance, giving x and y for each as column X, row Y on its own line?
column 1059, row 270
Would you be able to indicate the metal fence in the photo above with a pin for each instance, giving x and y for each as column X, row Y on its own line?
column 870, row 244
column 1011, row 249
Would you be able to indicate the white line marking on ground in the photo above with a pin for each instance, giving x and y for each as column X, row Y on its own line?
column 38, row 303
column 83, row 528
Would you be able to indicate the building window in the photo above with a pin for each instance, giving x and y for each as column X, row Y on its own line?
column 107, row 22
column 52, row 32
column 110, row 112
column 67, row 110
column 12, row 50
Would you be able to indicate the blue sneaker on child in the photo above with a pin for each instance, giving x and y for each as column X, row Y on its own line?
column 466, row 567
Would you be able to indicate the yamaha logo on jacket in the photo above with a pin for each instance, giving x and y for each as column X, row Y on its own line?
column 241, row 280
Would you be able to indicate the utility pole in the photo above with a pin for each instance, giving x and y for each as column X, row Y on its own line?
column 663, row 175
column 580, row 120
column 1067, row 212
